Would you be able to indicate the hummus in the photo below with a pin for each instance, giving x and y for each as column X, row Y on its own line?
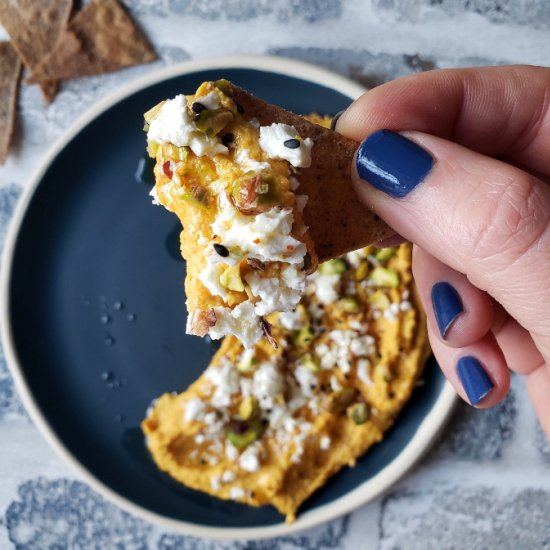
column 270, row 426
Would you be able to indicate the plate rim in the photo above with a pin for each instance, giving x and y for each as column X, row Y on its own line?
column 361, row 495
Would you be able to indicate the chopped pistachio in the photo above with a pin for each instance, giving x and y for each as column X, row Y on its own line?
column 382, row 371
column 384, row 276
column 359, row 413
column 384, row 254
column 213, row 121
column 362, row 271
column 303, row 336
column 248, row 408
column 333, row 267
column 379, row 300
column 196, row 196
column 338, row 401
column 152, row 113
column 231, row 278
column 224, row 86
column 349, row 304
column 310, row 362
column 242, row 434
column 152, row 148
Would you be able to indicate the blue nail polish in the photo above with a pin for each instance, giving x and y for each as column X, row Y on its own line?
column 392, row 163
column 474, row 379
column 447, row 305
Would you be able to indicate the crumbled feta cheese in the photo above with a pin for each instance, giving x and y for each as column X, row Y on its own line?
column 363, row 346
column 335, row 383
column 327, row 288
column 405, row 305
column 325, row 442
column 215, row 483
column 307, row 380
column 363, row 366
column 154, row 195
column 210, row 278
column 174, row 124
column 265, row 236
column 231, row 452
column 228, row 476
column 268, row 383
column 249, row 164
column 240, row 321
column 210, row 100
column 225, row 379
column 272, row 139
column 236, row 493
column 194, row 409
column 290, row 320
column 249, row 459
column 354, row 258
column 275, row 294
column 200, row 439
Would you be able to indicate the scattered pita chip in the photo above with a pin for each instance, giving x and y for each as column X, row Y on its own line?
column 101, row 38
column 338, row 222
column 34, row 28
column 10, row 69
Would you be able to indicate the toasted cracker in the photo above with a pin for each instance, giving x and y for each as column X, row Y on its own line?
column 34, row 28
column 101, row 38
column 10, row 69
column 338, row 222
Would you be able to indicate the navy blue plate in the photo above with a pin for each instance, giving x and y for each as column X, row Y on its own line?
column 97, row 307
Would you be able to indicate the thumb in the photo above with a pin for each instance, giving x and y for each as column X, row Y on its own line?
column 483, row 217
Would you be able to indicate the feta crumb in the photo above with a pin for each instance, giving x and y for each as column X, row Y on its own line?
column 268, row 383
column 327, row 288
column 272, row 139
column 363, row 366
column 325, row 442
column 154, row 195
column 200, row 439
column 215, row 483
column 249, row 459
column 307, row 380
column 174, row 124
column 210, row 278
column 290, row 320
column 225, row 379
column 240, row 321
column 249, row 164
column 194, row 409
column 228, row 476
column 236, row 493
column 231, row 452
column 335, row 383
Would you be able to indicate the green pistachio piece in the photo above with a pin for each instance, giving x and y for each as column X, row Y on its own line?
column 213, row 121
column 303, row 336
column 248, row 408
column 384, row 254
column 231, row 278
column 384, row 276
column 310, row 362
column 196, row 196
column 224, row 86
column 152, row 113
column 333, row 267
column 379, row 300
column 152, row 148
column 248, row 363
column 349, row 304
column 242, row 434
column 359, row 413
column 362, row 271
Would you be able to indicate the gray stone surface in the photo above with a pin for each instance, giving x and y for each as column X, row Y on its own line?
column 480, row 434
column 480, row 518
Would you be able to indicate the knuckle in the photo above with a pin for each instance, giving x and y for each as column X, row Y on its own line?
column 516, row 218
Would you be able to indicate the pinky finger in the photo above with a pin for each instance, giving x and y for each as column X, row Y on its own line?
column 478, row 371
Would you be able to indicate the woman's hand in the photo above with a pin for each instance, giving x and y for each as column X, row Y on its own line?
column 466, row 180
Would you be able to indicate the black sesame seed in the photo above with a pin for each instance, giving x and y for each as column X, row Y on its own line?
column 227, row 139
column 292, row 143
column 198, row 107
column 221, row 250
column 240, row 108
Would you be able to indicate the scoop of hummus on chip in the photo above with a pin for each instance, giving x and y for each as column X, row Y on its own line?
column 233, row 184
column 244, row 177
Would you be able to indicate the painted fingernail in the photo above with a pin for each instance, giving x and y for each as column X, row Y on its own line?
column 447, row 305
column 474, row 379
column 335, row 119
column 392, row 163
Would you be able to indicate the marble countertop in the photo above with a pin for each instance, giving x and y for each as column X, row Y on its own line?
column 485, row 483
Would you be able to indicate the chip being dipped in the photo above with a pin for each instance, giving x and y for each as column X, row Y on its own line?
column 242, row 176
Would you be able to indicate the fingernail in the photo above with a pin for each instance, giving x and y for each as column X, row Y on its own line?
column 335, row 119
column 474, row 379
column 447, row 305
column 392, row 163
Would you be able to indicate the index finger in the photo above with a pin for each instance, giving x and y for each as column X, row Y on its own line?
column 493, row 110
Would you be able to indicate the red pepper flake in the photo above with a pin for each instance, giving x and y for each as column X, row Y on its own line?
column 168, row 168
column 257, row 241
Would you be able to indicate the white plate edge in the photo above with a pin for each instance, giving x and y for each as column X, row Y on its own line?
column 378, row 484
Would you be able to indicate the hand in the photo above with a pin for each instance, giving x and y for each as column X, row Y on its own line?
column 466, row 180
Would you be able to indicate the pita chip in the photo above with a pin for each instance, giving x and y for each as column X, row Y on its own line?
column 10, row 69
column 34, row 28
column 101, row 38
